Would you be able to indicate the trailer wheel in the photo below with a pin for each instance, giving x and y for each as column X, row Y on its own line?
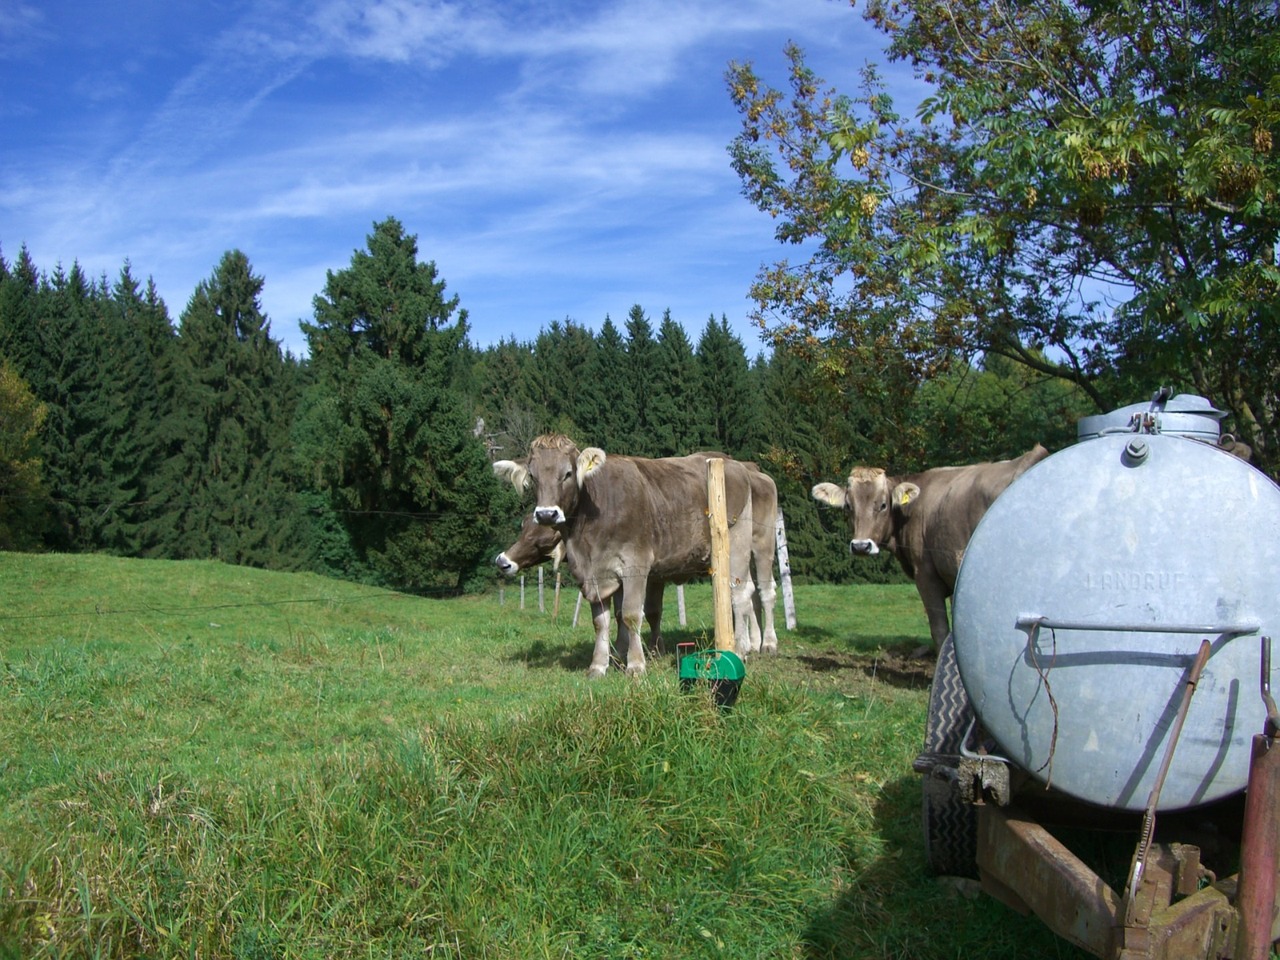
column 950, row 824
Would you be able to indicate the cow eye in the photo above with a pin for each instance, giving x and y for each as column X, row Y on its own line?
column 884, row 505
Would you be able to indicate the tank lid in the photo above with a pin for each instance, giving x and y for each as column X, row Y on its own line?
column 1184, row 415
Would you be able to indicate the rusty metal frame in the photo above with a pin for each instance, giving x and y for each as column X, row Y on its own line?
column 1025, row 867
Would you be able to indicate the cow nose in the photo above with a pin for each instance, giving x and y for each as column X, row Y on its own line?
column 503, row 563
column 863, row 548
column 548, row 516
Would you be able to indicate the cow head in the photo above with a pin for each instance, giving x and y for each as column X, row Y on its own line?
column 557, row 471
column 535, row 544
column 871, row 507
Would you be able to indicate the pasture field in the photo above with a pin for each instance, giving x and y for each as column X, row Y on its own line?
column 204, row 761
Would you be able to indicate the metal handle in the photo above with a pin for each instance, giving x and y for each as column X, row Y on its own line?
column 1034, row 621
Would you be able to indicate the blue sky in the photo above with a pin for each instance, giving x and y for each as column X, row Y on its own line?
column 555, row 159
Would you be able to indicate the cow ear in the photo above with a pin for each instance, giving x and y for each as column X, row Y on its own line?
column 513, row 471
column 904, row 495
column 589, row 461
column 831, row 494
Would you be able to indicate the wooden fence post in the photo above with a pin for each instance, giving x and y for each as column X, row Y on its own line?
column 718, row 515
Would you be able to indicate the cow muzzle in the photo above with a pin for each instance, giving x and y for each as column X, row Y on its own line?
column 549, row 516
column 863, row 548
column 506, row 565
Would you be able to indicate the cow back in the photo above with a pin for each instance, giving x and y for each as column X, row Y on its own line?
column 638, row 516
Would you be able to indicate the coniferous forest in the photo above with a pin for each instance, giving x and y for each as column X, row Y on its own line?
column 131, row 432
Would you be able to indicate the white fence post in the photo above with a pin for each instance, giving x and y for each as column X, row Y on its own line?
column 784, row 574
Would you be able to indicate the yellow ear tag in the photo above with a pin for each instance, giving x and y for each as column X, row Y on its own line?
column 904, row 498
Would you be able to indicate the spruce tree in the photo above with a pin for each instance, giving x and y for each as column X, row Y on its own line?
column 642, row 352
column 20, row 341
column 409, row 478
column 239, row 398
column 90, row 453
column 675, row 407
column 728, row 395
column 562, row 353
column 610, row 417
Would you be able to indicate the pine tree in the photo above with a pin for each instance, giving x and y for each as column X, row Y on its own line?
column 90, row 456
column 239, row 397
column 20, row 343
column 562, row 354
column 675, row 408
column 609, row 416
column 409, row 478
column 727, row 393
column 642, row 352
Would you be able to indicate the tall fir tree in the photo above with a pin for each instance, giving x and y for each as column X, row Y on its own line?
column 407, row 474
column 562, row 353
column 239, row 396
column 675, row 408
column 642, row 352
column 20, row 340
column 727, row 393
column 91, row 454
column 609, row 418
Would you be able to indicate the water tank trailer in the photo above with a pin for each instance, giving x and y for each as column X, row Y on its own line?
column 1109, row 665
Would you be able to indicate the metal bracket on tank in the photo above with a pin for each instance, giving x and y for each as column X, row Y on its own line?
column 981, row 777
column 1273, row 715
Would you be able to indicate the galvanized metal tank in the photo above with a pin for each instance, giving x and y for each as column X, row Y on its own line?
column 1086, row 591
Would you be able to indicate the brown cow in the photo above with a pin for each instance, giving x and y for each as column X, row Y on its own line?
column 627, row 521
column 538, row 543
column 925, row 519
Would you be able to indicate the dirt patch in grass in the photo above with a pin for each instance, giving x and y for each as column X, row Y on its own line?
column 848, row 672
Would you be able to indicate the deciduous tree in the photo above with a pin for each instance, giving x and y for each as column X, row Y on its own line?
column 1090, row 191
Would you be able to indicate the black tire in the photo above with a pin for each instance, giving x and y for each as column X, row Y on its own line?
column 950, row 824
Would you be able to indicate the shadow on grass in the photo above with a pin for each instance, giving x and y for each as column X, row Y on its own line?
column 541, row 655
column 888, row 904
column 891, row 664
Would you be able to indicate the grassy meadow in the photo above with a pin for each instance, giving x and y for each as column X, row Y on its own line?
column 204, row 761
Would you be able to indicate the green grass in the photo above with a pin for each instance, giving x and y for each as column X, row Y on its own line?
column 213, row 762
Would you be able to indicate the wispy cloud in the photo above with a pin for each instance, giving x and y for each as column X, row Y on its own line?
column 551, row 157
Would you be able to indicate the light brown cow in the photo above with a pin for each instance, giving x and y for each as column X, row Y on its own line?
column 925, row 519
column 629, row 520
column 538, row 543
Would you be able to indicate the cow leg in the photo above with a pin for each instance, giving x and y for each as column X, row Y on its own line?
column 746, row 631
column 934, row 594
column 623, row 640
column 653, row 613
column 600, row 655
column 632, row 612
column 765, row 598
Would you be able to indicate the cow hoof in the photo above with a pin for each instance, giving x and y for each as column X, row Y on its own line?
column 636, row 671
column 770, row 649
column 595, row 673
column 924, row 652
